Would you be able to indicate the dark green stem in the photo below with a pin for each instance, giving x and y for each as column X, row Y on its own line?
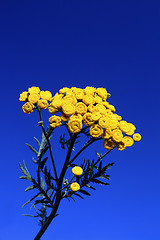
column 103, row 156
column 83, row 148
column 50, row 149
column 58, row 193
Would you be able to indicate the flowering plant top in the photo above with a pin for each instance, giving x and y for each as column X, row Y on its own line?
column 82, row 111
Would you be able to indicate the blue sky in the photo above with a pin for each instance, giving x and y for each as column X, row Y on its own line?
column 111, row 44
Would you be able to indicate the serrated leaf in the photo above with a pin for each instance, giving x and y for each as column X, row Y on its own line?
column 107, row 166
column 29, row 188
column 89, row 186
column 34, row 161
column 31, row 199
column 105, row 176
column 22, row 169
column 72, row 198
column 38, row 142
column 25, row 167
column 78, row 195
column 23, row 177
column 98, row 181
column 42, row 183
column 29, row 215
column 34, row 150
column 84, row 192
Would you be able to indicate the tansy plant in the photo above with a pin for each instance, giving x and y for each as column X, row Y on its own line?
column 83, row 112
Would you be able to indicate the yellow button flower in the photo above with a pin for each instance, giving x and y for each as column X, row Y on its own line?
column 81, row 108
column 111, row 107
column 64, row 118
column 46, row 95
column 55, row 121
column 102, row 92
column 79, row 93
column 116, row 116
column 88, row 99
column 104, row 122
column 77, row 171
column 89, row 90
column 136, row 137
column 75, row 125
column 108, row 144
column 101, row 108
column 113, row 123
column 123, row 125
column 98, row 99
column 96, row 130
column 76, row 116
column 33, row 97
column 128, row 141
column 42, row 104
column 131, row 130
column 87, row 119
column 68, row 108
column 105, row 103
column 28, row 107
column 120, row 145
column 56, row 103
column 96, row 115
column 107, row 133
column 23, row 97
column 34, row 90
column 70, row 98
column 117, row 135
column 91, row 108
column 75, row 186
column 65, row 90
column 52, row 110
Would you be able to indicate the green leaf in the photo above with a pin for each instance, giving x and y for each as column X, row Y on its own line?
column 105, row 176
column 29, row 215
column 22, row 169
column 25, row 167
column 89, row 186
column 42, row 183
column 29, row 188
column 84, row 192
column 38, row 142
column 107, row 166
column 94, row 180
column 78, row 195
column 23, row 177
column 34, row 150
column 31, row 199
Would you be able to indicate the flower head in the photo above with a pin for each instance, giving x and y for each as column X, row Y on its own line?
column 28, row 107
column 23, row 97
column 75, row 186
column 136, row 137
column 77, row 171
column 55, row 121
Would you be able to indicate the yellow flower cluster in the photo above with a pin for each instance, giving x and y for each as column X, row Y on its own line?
column 34, row 96
column 89, row 107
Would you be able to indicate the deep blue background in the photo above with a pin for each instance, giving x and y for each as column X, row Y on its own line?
column 111, row 44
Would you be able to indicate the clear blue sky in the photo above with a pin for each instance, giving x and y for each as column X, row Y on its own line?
column 111, row 44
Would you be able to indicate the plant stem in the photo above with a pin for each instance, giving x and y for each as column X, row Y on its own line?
column 102, row 156
column 50, row 149
column 83, row 148
column 49, row 219
column 58, row 194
